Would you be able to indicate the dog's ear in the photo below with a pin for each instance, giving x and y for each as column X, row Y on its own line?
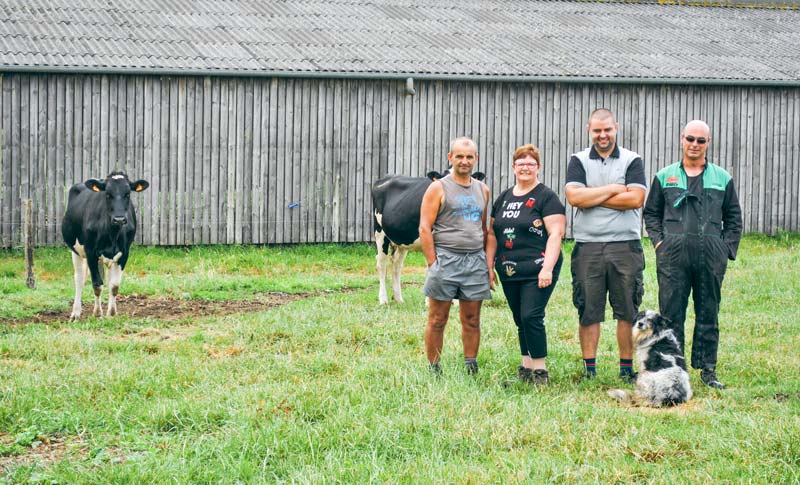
column 639, row 316
column 662, row 323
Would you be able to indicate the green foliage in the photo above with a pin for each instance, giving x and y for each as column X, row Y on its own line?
column 332, row 387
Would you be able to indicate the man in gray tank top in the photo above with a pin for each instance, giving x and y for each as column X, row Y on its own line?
column 452, row 231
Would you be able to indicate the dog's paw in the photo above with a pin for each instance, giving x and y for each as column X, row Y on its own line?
column 620, row 395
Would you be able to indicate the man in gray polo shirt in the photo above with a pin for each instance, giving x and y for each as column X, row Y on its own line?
column 607, row 185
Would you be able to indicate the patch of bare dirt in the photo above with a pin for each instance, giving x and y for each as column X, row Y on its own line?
column 782, row 397
column 171, row 309
column 43, row 450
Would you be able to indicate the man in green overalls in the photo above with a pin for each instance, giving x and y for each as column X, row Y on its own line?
column 694, row 219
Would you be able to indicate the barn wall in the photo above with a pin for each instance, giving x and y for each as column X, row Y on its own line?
column 278, row 160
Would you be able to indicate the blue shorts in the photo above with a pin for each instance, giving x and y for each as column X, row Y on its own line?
column 462, row 276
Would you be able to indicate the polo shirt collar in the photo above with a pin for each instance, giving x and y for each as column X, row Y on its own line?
column 594, row 155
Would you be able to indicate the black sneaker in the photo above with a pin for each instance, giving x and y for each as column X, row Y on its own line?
column 436, row 369
column 540, row 377
column 628, row 377
column 472, row 368
column 709, row 378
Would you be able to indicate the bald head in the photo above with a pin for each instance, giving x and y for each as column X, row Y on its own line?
column 697, row 126
column 463, row 140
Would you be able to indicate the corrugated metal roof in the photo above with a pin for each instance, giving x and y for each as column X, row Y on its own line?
column 519, row 38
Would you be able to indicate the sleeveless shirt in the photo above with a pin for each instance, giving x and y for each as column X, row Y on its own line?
column 458, row 225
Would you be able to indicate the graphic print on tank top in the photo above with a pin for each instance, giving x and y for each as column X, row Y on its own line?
column 467, row 206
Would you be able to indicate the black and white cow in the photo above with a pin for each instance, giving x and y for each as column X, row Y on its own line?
column 397, row 200
column 99, row 227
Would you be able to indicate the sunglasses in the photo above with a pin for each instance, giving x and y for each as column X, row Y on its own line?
column 691, row 139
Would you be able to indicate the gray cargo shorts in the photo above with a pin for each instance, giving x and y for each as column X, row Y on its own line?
column 463, row 276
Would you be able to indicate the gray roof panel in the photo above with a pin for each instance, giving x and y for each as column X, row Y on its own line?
column 406, row 37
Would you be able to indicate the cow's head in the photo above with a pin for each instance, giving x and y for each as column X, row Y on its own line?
column 434, row 175
column 117, row 190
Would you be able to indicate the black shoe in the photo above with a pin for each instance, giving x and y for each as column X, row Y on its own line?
column 709, row 378
column 628, row 377
column 588, row 376
column 472, row 368
column 436, row 369
column 524, row 376
column 540, row 377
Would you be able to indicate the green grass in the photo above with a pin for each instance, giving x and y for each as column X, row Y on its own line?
column 334, row 388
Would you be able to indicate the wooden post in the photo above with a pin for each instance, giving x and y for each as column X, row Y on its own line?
column 27, row 236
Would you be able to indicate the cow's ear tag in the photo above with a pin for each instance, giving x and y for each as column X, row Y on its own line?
column 95, row 185
column 139, row 185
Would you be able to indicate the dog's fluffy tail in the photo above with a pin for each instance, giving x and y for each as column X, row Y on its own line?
column 621, row 395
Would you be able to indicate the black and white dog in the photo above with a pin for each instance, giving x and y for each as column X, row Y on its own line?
column 662, row 379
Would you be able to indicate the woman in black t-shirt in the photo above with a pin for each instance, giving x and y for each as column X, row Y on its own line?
column 524, row 246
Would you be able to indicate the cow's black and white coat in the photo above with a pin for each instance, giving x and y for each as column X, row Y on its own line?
column 397, row 201
column 663, row 379
column 99, row 227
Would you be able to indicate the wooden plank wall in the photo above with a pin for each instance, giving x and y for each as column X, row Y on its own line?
column 281, row 160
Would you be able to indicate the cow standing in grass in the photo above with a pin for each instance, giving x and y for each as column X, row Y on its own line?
column 99, row 227
column 397, row 200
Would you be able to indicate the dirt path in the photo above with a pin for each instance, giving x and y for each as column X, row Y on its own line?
column 170, row 309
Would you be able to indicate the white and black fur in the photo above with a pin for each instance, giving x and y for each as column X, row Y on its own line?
column 663, row 379
column 99, row 227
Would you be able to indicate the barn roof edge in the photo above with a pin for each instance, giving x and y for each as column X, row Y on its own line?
column 398, row 76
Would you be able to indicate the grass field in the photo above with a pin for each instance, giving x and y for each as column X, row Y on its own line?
column 322, row 385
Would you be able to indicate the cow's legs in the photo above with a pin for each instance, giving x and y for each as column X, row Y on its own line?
column 114, row 280
column 79, row 268
column 383, row 260
column 97, row 311
column 95, row 269
column 398, row 258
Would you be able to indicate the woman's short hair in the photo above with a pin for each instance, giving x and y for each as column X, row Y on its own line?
column 525, row 150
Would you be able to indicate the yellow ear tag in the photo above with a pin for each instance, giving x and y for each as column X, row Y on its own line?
column 95, row 188
column 138, row 188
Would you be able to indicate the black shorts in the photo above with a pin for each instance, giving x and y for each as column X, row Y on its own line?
column 613, row 268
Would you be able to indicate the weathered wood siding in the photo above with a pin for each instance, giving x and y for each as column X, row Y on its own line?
column 282, row 160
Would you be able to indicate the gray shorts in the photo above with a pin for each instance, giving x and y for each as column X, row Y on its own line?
column 458, row 276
